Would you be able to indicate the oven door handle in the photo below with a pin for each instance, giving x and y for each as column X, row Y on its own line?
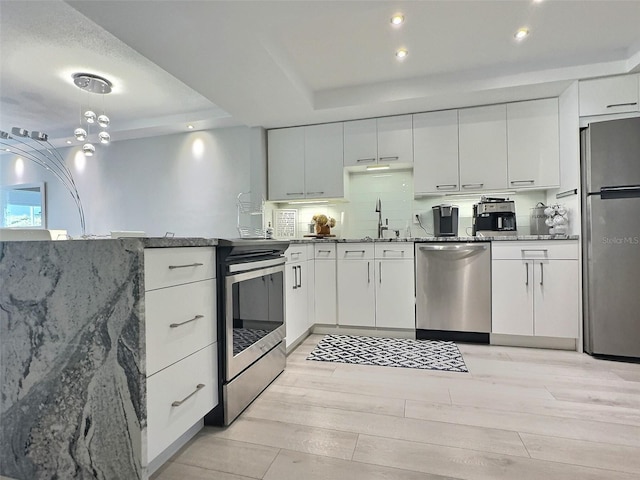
column 243, row 267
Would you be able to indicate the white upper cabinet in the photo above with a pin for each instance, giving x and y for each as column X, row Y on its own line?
column 306, row 162
column 435, row 152
column 395, row 139
column 324, row 161
column 286, row 163
column 385, row 140
column 360, row 143
column 533, row 144
column 483, row 148
column 609, row 95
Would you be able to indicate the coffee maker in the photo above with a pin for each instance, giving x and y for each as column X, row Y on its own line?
column 494, row 217
column 445, row 220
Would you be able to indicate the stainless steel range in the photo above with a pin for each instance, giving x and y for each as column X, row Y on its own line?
column 251, row 322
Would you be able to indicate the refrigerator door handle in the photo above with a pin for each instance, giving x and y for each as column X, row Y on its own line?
column 626, row 191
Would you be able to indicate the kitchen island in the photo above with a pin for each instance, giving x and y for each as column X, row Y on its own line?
column 72, row 358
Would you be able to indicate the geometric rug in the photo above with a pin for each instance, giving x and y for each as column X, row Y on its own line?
column 390, row 352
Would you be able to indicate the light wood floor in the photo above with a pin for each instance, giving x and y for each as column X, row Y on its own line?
column 518, row 414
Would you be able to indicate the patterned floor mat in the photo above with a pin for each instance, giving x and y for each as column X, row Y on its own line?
column 390, row 352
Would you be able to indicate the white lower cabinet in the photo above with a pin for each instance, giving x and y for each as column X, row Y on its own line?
column 535, row 288
column 298, row 290
column 356, row 287
column 376, row 285
column 179, row 396
column 395, row 286
column 181, row 342
column 325, row 293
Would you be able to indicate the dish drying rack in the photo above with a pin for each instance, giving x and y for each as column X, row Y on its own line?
column 250, row 216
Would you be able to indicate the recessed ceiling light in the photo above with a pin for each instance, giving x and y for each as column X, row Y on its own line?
column 68, row 142
column 7, row 149
column 190, row 127
column 521, row 34
column 397, row 19
column 401, row 53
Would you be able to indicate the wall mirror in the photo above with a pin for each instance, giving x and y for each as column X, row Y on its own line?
column 23, row 206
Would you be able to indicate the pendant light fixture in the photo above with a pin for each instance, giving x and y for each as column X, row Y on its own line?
column 92, row 83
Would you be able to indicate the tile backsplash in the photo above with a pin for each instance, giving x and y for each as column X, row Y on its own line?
column 356, row 216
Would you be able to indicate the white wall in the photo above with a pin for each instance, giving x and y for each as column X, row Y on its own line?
column 183, row 183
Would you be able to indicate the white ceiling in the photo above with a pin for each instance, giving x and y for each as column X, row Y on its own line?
column 281, row 63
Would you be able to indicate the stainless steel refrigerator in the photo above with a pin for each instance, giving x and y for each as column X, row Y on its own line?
column 610, row 162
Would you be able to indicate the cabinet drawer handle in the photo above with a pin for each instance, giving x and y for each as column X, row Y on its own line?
column 296, row 253
column 315, row 193
column 630, row 104
column 354, row 251
column 393, row 251
column 173, row 267
column 473, row 185
column 389, row 159
column 177, row 403
column 366, row 160
column 295, row 277
column 324, row 251
column 523, row 182
column 446, row 187
column 176, row 325
column 295, row 193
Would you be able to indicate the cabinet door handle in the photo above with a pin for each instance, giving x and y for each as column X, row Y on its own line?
column 315, row 193
column 526, row 281
column 295, row 277
column 523, row 182
column 380, row 271
column 177, row 403
column 630, row 104
column 173, row 267
column 295, row 193
column 472, row 185
column 541, row 274
column 446, row 187
column 368, row 272
column 300, row 277
column 176, row 325
column 366, row 160
column 389, row 159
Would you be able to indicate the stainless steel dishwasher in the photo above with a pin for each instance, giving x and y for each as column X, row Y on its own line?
column 453, row 291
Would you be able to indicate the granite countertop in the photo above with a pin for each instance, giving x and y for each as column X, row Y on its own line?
column 144, row 242
column 438, row 239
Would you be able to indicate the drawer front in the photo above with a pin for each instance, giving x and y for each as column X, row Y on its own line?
column 545, row 250
column 393, row 250
column 296, row 253
column 179, row 321
column 165, row 267
column 180, row 396
column 355, row 251
column 324, row 251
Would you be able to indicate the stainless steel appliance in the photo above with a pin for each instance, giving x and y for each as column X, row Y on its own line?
column 610, row 160
column 445, row 220
column 494, row 217
column 453, row 291
column 251, row 322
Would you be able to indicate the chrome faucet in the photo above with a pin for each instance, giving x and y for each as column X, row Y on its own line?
column 381, row 228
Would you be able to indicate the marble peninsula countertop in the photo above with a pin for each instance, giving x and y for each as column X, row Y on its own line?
column 439, row 239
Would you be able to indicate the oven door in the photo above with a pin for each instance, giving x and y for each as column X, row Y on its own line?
column 254, row 314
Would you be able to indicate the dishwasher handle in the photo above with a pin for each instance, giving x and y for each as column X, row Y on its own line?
column 465, row 247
